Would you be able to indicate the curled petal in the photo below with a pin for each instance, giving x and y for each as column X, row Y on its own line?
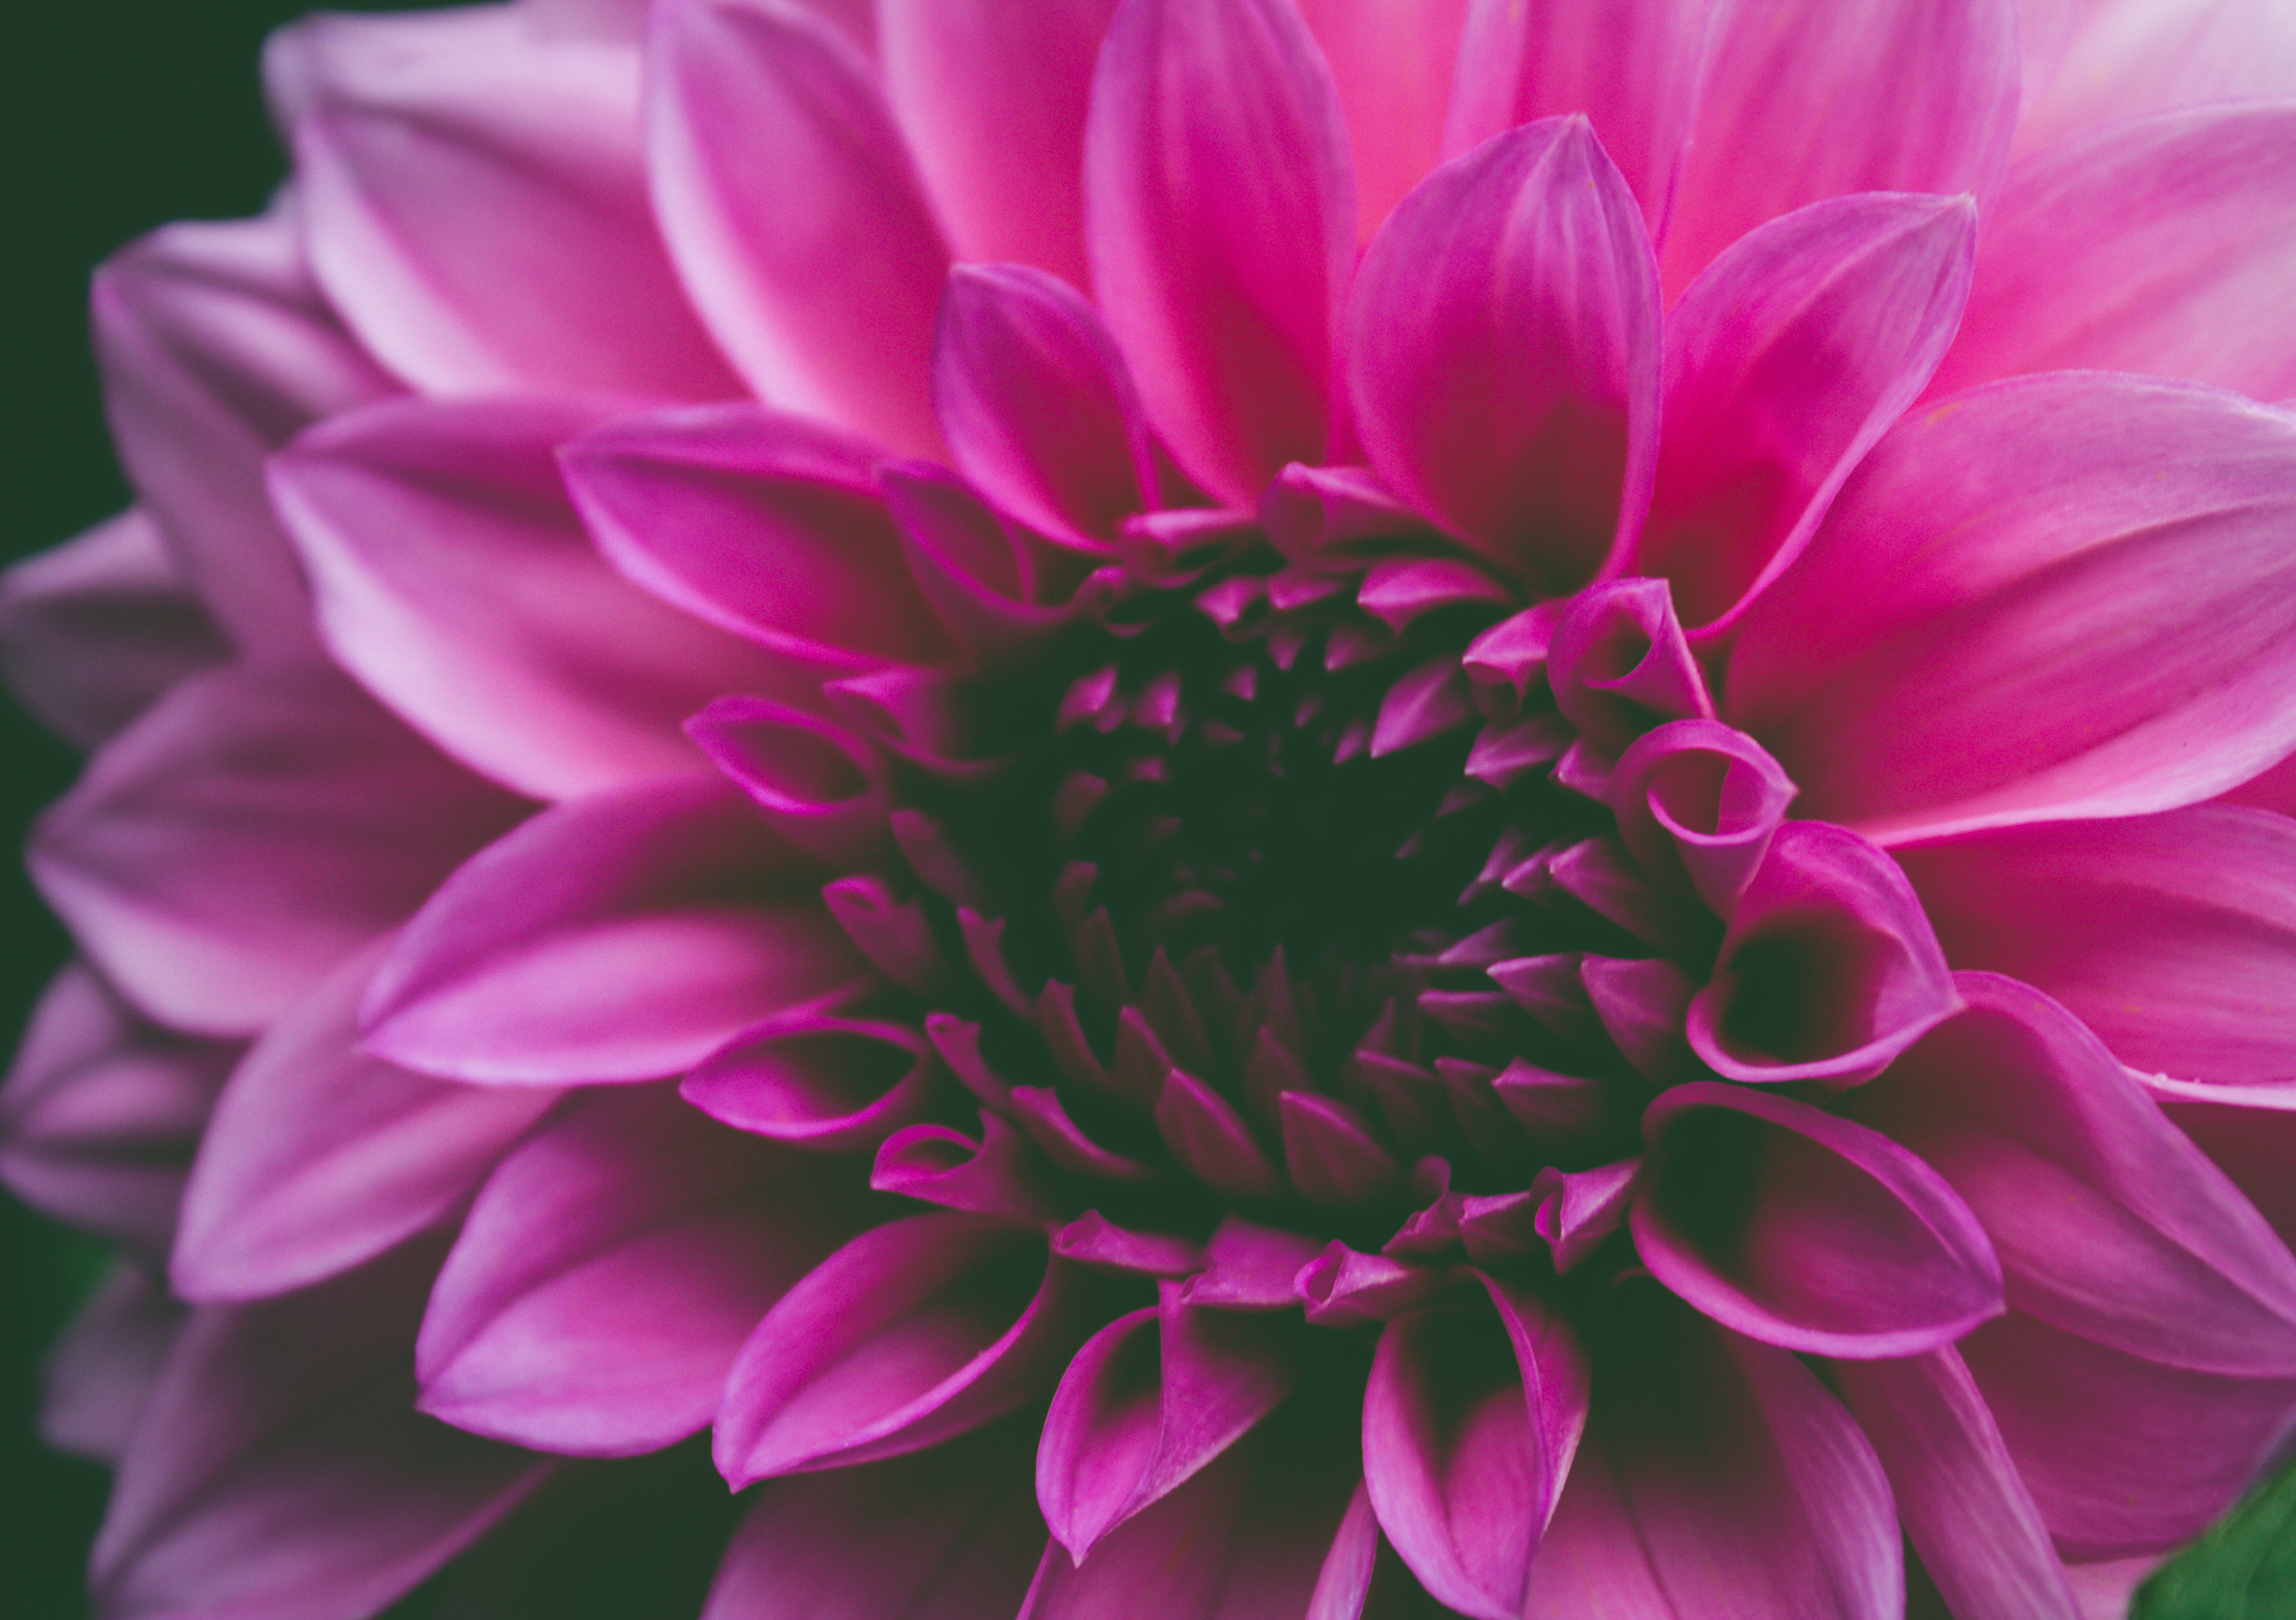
column 828, row 1084
column 999, row 1176
column 1618, row 663
column 822, row 787
column 1698, row 799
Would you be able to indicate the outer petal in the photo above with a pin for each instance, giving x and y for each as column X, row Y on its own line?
column 819, row 272
column 612, row 1266
column 321, row 1158
column 1785, row 361
column 1804, row 102
column 2174, row 936
column 2122, row 57
column 1503, row 352
column 1219, row 217
column 102, row 1369
column 619, row 938
column 253, row 827
column 476, row 205
column 2060, row 596
column 2166, row 244
column 1393, row 61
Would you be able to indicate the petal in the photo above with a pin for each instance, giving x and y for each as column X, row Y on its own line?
column 2165, row 245
column 1219, row 217
column 829, row 1084
column 818, row 273
column 1469, row 1424
column 215, row 347
column 766, row 525
column 1699, row 801
column 1803, row 103
column 321, row 1158
column 1785, row 361
column 2123, row 57
column 1718, row 1480
column 1503, row 352
column 249, row 831
column 1618, row 664
column 1393, row 62
column 475, row 205
column 612, row 1269
column 2174, row 936
column 949, row 1533
column 992, row 97
column 822, row 787
column 2248, row 1132
column 1805, row 1230
column 2060, row 597
column 102, row 1369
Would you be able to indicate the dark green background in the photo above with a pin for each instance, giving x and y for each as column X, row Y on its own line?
column 129, row 114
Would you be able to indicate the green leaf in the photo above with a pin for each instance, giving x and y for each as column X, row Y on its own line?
column 2243, row 1568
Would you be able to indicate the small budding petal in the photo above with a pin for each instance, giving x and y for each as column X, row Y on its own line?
column 1699, row 801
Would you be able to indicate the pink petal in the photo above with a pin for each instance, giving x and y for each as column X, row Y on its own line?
column 2248, row 1132
column 1364, row 1578
column 1785, row 361
column 1000, row 1175
column 2060, row 597
column 249, row 831
column 1393, row 62
column 2123, row 57
column 1809, row 102
column 828, row 1084
column 1618, row 664
column 1829, row 968
column 766, row 525
column 102, row 1369
column 1716, row 1479
column 992, row 98
column 818, row 273
column 1503, row 352
column 1801, row 1229
column 2163, row 245
column 819, row 786
column 612, row 1266
column 995, row 586
column 1220, row 217
column 948, row 1534
column 1250, row 1267
column 475, row 205
column 1633, row 68
column 1701, row 801
column 1965, row 1510
column 1469, row 1424
column 281, row 1468
column 623, row 936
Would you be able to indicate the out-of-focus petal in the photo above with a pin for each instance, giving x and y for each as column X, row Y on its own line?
column 1502, row 352
column 819, row 270
column 253, row 827
column 1393, row 62
column 2122, row 57
column 102, row 1367
column 2069, row 595
column 622, row 937
column 1219, row 217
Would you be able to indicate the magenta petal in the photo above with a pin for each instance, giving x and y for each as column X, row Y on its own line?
column 1829, row 969
column 319, row 1158
column 949, row 1533
column 282, row 1470
column 1393, row 62
column 1503, row 352
column 1207, row 1136
column 1700, row 801
column 1785, row 361
column 2060, row 596
column 817, row 273
column 767, row 525
column 475, row 205
column 822, row 787
column 1965, row 1510
column 611, row 1269
column 250, row 829
column 1000, row 1175
column 828, row 1084
column 986, row 578
column 1220, row 215
column 623, row 936
column 1820, row 102
column 910, row 1334
column 1802, row 1229
column 1469, row 1425
column 104, row 1365
column 2248, row 1132
column 1250, row 1267
column 1618, row 664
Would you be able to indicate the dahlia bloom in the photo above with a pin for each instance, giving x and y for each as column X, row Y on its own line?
column 1221, row 808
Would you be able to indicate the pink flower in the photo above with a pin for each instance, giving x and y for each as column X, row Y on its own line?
column 1553, row 873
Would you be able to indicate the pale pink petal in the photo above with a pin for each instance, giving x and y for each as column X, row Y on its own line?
column 2122, row 57
column 102, row 1367
column 992, row 97
column 819, row 272
column 767, row 525
column 622, row 937
column 1503, row 352
column 1806, row 102
column 1393, row 62
column 2106, row 1590
column 2174, row 936
column 249, row 831
column 2060, row 597
column 320, row 1156
column 611, row 1268
column 1219, row 217
column 280, row 1468
column 1633, row 67
column 948, row 1534
column 1785, row 360
column 2164, row 245
column 474, row 204
column 215, row 347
